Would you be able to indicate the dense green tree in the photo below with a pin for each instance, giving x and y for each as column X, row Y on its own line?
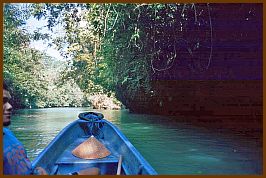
column 19, row 59
column 33, row 76
column 122, row 47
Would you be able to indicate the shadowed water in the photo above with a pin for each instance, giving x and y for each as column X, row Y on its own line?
column 170, row 146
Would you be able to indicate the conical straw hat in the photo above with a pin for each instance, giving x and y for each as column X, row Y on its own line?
column 91, row 149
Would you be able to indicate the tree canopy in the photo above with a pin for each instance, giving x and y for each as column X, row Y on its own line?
column 110, row 48
column 32, row 75
column 125, row 46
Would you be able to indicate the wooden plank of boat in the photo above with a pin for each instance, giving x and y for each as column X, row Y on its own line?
column 118, row 172
column 57, row 157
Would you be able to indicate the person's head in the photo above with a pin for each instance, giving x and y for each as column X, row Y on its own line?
column 7, row 108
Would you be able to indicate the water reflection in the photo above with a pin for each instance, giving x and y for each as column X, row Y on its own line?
column 170, row 146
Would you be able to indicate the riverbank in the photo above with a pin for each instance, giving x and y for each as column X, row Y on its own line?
column 103, row 101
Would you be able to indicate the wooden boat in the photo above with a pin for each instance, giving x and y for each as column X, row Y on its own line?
column 57, row 157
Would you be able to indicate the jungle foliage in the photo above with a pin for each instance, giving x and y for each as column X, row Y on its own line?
column 122, row 47
column 115, row 47
column 32, row 75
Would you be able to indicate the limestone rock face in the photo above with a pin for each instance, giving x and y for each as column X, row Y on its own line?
column 102, row 101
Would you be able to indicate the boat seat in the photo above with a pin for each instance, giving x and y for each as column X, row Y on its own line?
column 67, row 156
column 73, row 159
column 106, row 165
column 67, row 159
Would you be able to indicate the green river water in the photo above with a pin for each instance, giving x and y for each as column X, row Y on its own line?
column 170, row 146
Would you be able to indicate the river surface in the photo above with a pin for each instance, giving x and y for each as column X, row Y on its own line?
column 170, row 146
